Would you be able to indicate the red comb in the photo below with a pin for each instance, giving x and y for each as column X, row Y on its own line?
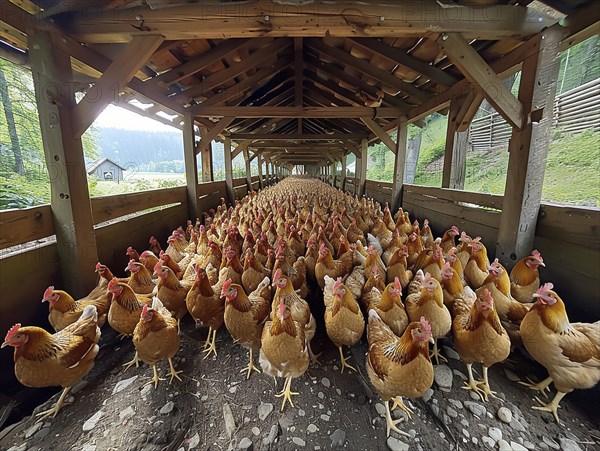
column 427, row 277
column 12, row 331
column 397, row 284
column 545, row 289
column 455, row 229
column 98, row 266
column 48, row 292
column 337, row 283
column 425, row 222
column 158, row 266
column 144, row 310
column 487, row 295
column 278, row 274
column 226, row 285
column 425, row 324
column 112, row 283
column 446, row 266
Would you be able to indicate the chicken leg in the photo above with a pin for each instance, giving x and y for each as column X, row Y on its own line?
column 484, row 385
column 173, row 373
column 213, row 344
column 436, row 353
column 391, row 423
column 398, row 402
column 540, row 386
column 54, row 410
column 287, row 392
column 344, row 361
column 208, row 337
column 251, row 367
column 135, row 361
column 472, row 385
column 314, row 358
column 552, row 406
column 154, row 379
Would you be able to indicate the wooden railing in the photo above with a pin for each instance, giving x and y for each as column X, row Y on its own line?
column 380, row 191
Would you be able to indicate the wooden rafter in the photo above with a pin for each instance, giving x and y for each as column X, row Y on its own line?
column 294, row 112
column 298, row 76
column 295, row 137
column 380, row 133
column 213, row 132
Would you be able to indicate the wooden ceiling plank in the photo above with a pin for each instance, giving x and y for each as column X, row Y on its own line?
column 295, row 137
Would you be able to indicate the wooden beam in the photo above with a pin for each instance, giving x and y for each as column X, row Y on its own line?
column 361, row 169
column 298, row 76
column 113, row 80
column 248, row 169
column 449, row 144
column 294, row 112
column 528, row 149
column 380, row 133
column 240, row 148
column 468, row 109
column 214, row 132
column 70, row 201
column 344, row 162
column 260, row 174
column 191, row 166
column 319, row 18
column 228, row 170
column 296, row 137
column 474, row 67
column 207, row 166
column 399, row 165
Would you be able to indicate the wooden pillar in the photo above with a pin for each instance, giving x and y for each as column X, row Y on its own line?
column 528, row 151
column 206, row 157
column 362, row 172
column 228, row 170
column 399, row 165
column 413, row 149
column 191, row 165
column 248, row 169
column 344, row 161
column 450, row 137
column 267, row 175
column 260, row 176
column 70, row 201
column 459, row 160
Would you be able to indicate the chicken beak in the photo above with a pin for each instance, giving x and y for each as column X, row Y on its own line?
column 44, row 300
column 431, row 340
column 542, row 264
column 4, row 345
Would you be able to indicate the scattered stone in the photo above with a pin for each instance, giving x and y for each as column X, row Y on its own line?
column 88, row 447
column 451, row 353
column 396, row 445
column 495, row 433
column 460, row 374
column 517, row 447
column 380, row 408
column 504, row 446
column 443, row 376
column 246, row 420
column 339, row 392
column 457, row 404
column 517, row 426
column 325, row 417
column 194, row 441
column 126, row 413
column 451, row 412
column 21, row 447
column 245, row 443
column 91, row 422
column 264, row 410
column 474, row 440
column 42, row 433
column 233, row 389
column 312, row 428
column 273, row 433
column 464, row 422
column 551, row 443
column 488, row 441
column 412, row 433
column 255, row 431
column 298, row 441
column 167, row 408
column 436, row 410
column 301, row 413
column 338, row 438
column 123, row 384
column 33, row 429
column 78, row 386
column 326, row 382
column 475, row 408
column 511, row 376
column 543, row 446
column 528, row 445
column 466, row 433
column 427, row 396
column 321, row 395
column 229, row 420
column 474, row 396
column 566, row 444
column 504, row 415
column 286, row 421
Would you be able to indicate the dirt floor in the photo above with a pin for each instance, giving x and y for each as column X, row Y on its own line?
column 216, row 408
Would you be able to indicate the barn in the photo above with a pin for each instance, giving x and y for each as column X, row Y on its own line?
column 106, row 169
column 292, row 85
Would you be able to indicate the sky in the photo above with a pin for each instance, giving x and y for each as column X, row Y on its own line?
column 115, row 117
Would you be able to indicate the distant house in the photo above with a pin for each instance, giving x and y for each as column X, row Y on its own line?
column 106, row 169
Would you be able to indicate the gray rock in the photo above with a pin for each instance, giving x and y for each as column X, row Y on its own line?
column 325, row 417
column 495, row 433
column 167, row 408
column 475, row 440
column 566, row 444
column 91, row 422
column 312, row 428
column 451, row 412
column 474, row 396
column 229, row 420
column 427, row 395
column 551, row 443
column 88, row 447
column 475, row 408
column 286, row 421
column 194, row 441
column 233, row 389
column 42, row 433
column 255, row 431
column 123, row 384
column 460, row 374
column 511, row 376
column 33, row 429
column 436, row 410
column 503, row 445
column 126, row 413
column 396, row 445
column 298, row 441
column 380, row 408
column 320, row 395
column 517, row 426
column 264, row 410
column 528, row 445
column 504, row 415
column 443, row 376
column 490, row 442
column 455, row 403
column 273, row 433
column 245, row 443
column 466, row 433
column 301, row 413
column 21, row 447
column 517, row 446
column 451, row 353
column 338, row 438
column 543, row 446
column 326, row 382
column 464, row 422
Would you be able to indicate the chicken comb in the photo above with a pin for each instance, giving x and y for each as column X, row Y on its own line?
column 412, row 236
column 425, row 223
column 144, row 310
column 487, row 296
column 98, row 266
column 321, row 246
column 536, row 254
column 202, row 229
column 427, row 277
column 405, row 249
column 226, row 285
column 129, row 249
column 464, row 237
column 48, row 292
column 337, row 283
column 496, row 265
column 278, row 274
column 476, row 240
column 446, row 266
column 545, row 289
column 455, row 229
column 152, row 240
column 158, row 266
column 397, row 284
column 112, row 283
column 425, row 324
column 12, row 331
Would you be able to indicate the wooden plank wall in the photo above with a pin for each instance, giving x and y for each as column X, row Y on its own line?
column 380, row 191
column 18, row 226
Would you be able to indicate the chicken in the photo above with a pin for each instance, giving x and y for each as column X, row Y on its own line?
column 452, row 285
column 295, row 272
column 326, row 265
column 254, row 272
column 45, row 360
column 569, row 351
column 429, row 302
column 64, row 310
column 447, row 241
column 476, row 269
column 389, row 306
column 375, row 280
column 284, row 350
column 414, row 246
column 156, row 337
column 356, row 281
column 525, row 277
column 479, row 337
column 397, row 265
column 245, row 316
column 149, row 260
column 232, row 263
column 140, row 279
column 170, row 290
column 344, row 321
column 399, row 366
column 205, row 305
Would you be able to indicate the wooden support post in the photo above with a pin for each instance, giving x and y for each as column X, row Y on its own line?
column 207, row 168
column 344, row 161
column 455, row 153
column 191, row 165
column 267, row 174
column 248, row 169
column 528, row 151
column 261, row 183
column 228, row 170
column 70, row 199
column 399, row 165
column 413, row 149
column 362, row 171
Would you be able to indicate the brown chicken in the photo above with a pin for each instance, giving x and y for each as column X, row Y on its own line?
column 284, row 350
column 344, row 321
column 64, row 310
column 156, row 338
column 525, row 277
column 171, row 291
column 254, row 272
column 245, row 316
column 375, row 280
column 479, row 337
column 452, row 285
column 149, row 260
column 448, row 240
column 45, row 360
column 397, row 267
column 389, row 306
column 140, row 279
column 476, row 269
column 399, row 367
column 326, row 265
column 569, row 351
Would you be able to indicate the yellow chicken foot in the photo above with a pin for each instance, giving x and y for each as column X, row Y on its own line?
column 540, row 386
column 135, row 361
column 345, row 363
column 173, row 373
column 472, row 385
column 208, row 337
column 54, row 410
column 436, row 353
column 155, row 379
column 552, row 406
column 314, row 358
column 391, row 423
column 251, row 367
column 213, row 345
column 484, row 385
column 287, row 393
column 398, row 402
